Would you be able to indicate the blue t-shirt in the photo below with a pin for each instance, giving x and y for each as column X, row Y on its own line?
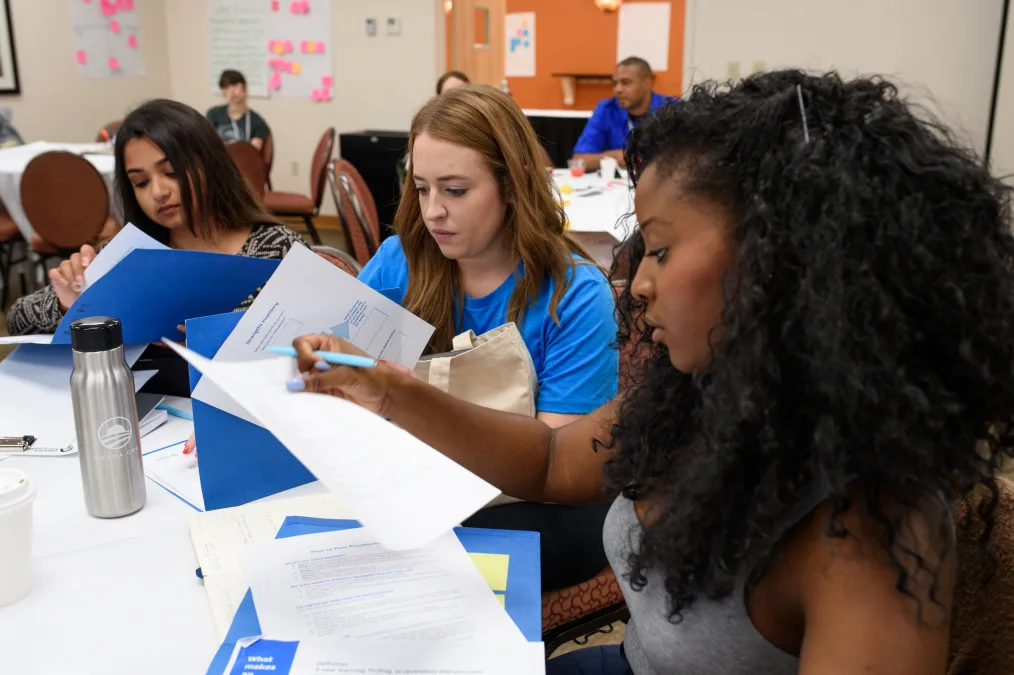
column 577, row 366
column 609, row 126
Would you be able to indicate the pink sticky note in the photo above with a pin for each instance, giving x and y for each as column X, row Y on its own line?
column 325, row 95
column 320, row 47
column 288, row 46
column 304, row 46
column 114, row 26
column 82, row 58
column 315, row 94
column 132, row 41
column 127, row 4
column 275, row 81
column 114, row 63
column 274, row 5
column 294, row 8
column 326, row 81
column 108, row 10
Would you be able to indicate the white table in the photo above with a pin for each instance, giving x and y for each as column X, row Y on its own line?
column 110, row 596
column 14, row 160
column 596, row 210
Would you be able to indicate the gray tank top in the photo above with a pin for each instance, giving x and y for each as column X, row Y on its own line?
column 714, row 636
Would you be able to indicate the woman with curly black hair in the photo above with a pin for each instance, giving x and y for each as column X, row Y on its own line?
column 828, row 283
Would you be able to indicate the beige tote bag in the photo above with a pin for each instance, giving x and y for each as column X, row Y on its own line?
column 494, row 370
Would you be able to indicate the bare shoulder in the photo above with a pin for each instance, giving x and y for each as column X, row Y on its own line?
column 875, row 579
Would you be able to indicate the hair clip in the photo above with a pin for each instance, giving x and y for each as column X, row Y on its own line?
column 802, row 114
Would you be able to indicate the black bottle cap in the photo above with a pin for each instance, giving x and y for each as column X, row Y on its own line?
column 96, row 334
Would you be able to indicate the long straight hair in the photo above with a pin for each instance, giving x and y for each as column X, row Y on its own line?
column 212, row 188
column 488, row 121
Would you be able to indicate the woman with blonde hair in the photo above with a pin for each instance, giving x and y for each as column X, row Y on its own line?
column 481, row 242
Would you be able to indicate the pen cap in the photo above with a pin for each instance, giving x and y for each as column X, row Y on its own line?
column 96, row 334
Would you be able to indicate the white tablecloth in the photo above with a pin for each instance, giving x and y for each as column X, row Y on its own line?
column 596, row 210
column 110, row 596
column 14, row 160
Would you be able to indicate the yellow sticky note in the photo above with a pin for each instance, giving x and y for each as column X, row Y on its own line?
column 493, row 567
column 297, row 68
column 502, row 599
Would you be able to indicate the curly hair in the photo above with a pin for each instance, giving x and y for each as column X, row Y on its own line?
column 865, row 343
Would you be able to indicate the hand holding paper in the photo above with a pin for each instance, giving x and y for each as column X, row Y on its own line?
column 69, row 278
column 406, row 492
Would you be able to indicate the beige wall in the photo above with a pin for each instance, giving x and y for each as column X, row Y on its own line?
column 379, row 81
column 55, row 103
column 1002, row 152
column 943, row 50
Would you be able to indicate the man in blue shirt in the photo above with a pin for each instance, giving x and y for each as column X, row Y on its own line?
column 605, row 135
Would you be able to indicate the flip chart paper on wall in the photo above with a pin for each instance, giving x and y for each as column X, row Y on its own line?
column 643, row 30
column 520, row 45
column 305, row 28
column 238, row 31
column 105, row 47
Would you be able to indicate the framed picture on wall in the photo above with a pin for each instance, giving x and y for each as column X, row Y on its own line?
column 8, row 60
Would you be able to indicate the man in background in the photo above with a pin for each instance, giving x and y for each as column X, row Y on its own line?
column 235, row 121
column 605, row 135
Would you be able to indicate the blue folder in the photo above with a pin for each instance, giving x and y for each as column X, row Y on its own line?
column 153, row 291
column 239, row 461
column 524, row 578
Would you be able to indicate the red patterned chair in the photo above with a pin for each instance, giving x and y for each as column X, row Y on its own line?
column 579, row 611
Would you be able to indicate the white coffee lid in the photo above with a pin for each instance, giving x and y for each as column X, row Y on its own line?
column 15, row 488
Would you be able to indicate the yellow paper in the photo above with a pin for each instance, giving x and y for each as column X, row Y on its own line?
column 493, row 567
column 502, row 599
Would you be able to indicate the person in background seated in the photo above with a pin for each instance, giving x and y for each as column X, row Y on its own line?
column 235, row 121
column 829, row 380
column 178, row 185
column 606, row 133
column 481, row 243
column 452, row 79
column 9, row 136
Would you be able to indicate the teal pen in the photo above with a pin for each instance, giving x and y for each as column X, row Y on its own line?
column 335, row 359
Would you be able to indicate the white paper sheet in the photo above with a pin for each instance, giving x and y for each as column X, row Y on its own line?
column 35, row 395
column 285, row 310
column 643, row 30
column 175, row 431
column 393, row 483
column 347, row 585
column 125, row 241
column 519, row 45
column 238, row 35
column 176, row 473
column 313, row 657
column 220, row 538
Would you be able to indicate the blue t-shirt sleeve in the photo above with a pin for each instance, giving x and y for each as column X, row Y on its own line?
column 387, row 270
column 595, row 136
column 581, row 368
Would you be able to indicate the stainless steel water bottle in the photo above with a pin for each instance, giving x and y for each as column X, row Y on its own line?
column 105, row 415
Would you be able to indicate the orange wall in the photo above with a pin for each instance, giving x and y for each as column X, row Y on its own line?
column 574, row 36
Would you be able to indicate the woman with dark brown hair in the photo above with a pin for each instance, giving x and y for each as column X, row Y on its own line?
column 177, row 184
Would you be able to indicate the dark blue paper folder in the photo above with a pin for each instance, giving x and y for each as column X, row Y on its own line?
column 524, row 578
column 153, row 291
column 239, row 461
